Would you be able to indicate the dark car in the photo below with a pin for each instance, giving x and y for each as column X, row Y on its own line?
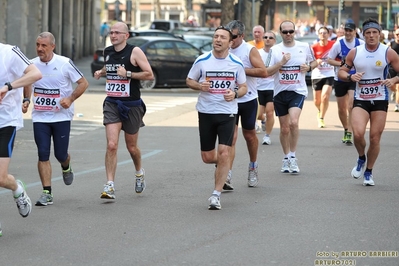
column 170, row 60
column 160, row 33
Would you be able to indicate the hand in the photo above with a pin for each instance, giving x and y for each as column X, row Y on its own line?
column 3, row 91
column 205, row 86
column 229, row 96
column 25, row 106
column 286, row 58
column 98, row 74
column 66, row 102
column 121, row 71
column 357, row 76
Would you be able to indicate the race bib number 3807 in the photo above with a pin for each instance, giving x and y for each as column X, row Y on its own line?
column 117, row 88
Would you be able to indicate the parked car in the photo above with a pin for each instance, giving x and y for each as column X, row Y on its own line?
column 198, row 40
column 166, row 25
column 161, row 33
column 170, row 60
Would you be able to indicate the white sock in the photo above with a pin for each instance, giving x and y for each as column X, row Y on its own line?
column 18, row 191
column 215, row 192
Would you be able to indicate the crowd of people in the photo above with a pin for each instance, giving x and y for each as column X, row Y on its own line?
column 336, row 63
column 238, row 82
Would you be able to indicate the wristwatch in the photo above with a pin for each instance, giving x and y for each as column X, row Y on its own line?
column 349, row 77
column 236, row 94
column 8, row 84
column 128, row 74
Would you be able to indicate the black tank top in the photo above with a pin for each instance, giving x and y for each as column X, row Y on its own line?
column 113, row 60
column 395, row 46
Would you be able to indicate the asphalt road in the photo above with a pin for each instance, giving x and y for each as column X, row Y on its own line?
column 315, row 217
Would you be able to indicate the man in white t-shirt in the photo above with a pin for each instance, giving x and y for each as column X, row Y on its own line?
column 220, row 78
column 248, row 104
column 53, row 110
column 289, row 61
column 16, row 71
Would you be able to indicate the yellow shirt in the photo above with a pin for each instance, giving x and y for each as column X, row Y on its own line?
column 258, row 45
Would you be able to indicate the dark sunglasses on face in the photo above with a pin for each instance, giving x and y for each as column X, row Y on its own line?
column 227, row 29
column 287, row 31
column 268, row 37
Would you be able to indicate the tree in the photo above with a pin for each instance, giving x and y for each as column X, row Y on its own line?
column 267, row 8
column 227, row 11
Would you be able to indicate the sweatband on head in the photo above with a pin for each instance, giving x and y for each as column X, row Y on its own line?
column 372, row 25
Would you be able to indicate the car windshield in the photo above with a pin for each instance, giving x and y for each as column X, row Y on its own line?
column 136, row 41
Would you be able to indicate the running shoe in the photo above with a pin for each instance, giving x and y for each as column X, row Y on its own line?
column 358, row 169
column 321, row 123
column 1, row 231
column 140, row 183
column 214, row 203
column 266, row 140
column 393, row 96
column 68, row 176
column 45, row 199
column 227, row 185
column 368, row 179
column 252, row 176
column 396, row 108
column 23, row 201
column 257, row 128
column 347, row 138
column 294, row 169
column 263, row 124
column 109, row 191
column 285, row 168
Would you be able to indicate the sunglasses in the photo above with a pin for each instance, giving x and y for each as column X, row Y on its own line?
column 287, row 31
column 268, row 37
column 227, row 29
column 116, row 32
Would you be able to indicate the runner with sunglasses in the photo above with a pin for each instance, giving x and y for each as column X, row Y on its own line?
column 289, row 61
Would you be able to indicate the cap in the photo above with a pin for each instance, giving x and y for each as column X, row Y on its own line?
column 350, row 26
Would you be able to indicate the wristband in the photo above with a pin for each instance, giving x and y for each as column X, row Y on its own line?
column 310, row 68
column 8, row 85
column 26, row 100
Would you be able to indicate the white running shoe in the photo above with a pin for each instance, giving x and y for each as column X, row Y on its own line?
column 109, row 191
column 285, row 168
column 227, row 185
column 257, row 128
column 214, row 203
column 294, row 169
column 358, row 169
column 266, row 140
column 368, row 179
column 252, row 176
column 263, row 124
column 23, row 201
column 396, row 108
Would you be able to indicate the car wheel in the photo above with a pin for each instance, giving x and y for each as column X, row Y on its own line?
column 149, row 84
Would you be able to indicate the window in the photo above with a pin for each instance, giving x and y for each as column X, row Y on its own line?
column 187, row 50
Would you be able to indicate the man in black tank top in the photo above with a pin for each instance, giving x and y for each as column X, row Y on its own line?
column 123, row 108
column 395, row 46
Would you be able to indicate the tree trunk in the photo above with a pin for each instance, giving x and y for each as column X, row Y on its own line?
column 227, row 11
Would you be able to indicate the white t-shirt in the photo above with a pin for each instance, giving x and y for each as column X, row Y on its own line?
column 243, row 51
column 374, row 65
column 289, row 77
column 58, row 75
column 265, row 84
column 224, row 74
column 12, row 66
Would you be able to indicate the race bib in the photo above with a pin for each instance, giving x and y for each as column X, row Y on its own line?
column 117, row 88
column 369, row 88
column 220, row 81
column 46, row 99
column 289, row 75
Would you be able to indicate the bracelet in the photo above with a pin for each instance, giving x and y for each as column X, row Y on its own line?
column 26, row 100
column 8, row 85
